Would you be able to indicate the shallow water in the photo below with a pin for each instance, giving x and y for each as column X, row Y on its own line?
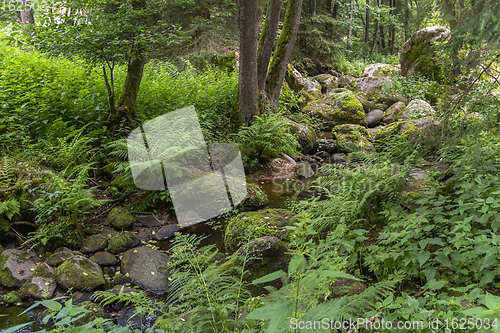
column 280, row 193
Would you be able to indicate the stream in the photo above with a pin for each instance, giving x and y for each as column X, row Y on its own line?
column 279, row 192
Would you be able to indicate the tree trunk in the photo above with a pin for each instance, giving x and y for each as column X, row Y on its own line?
column 407, row 19
column 335, row 9
column 126, row 104
column 283, row 51
column 382, row 37
column 375, row 34
column 367, row 23
column 349, row 32
column 266, row 41
column 247, row 80
column 313, row 7
column 27, row 20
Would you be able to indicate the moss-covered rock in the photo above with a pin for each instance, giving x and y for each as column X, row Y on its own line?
column 255, row 199
column 79, row 273
column 250, row 225
column 306, row 136
column 328, row 82
column 373, row 79
column 352, row 138
column 294, row 79
column 396, row 112
column 4, row 226
column 94, row 244
column 16, row 267
column 336, row 108
column 419, row 54
column 404, row 130
column 122, row 242
column 311, row 91
column 265, row 255
column 120, row 218
column 418, row 108
column 41, row 284
column 145, row 267
column 12, row 298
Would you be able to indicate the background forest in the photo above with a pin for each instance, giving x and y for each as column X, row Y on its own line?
column 369, row 134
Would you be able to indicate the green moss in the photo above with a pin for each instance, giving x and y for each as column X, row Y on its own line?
column 12, row 297
column 121, row 242
column 6, row 278
column 251, row 225
column 85, row 281
column 120, row 218
column 228, row 62
column 254, row 200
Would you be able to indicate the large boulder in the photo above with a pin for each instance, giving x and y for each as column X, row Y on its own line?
column 336, row 108
column 419, row 54
column 145, row 267
column 294, row 79
column 249, row 225
column 419, row 109
column 395, row 113
column 373, row 79
column 41, row 284
column 306, row 136
column 16, row 267
column 374, row 118
column 311, row 91
column 328, row 82
column 79, row 273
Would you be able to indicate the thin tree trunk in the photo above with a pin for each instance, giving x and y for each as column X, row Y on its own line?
column 393, row 29
column 313, row 7
column 27, row 20
column 247, row 80
column 375, row 34
column 283, row 51
column 266, row 41
column 407, row 19
column 382, row 37
column 126, row 103
column 367, row 23
column 349, row 33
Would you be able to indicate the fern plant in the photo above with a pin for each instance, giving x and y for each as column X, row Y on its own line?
column 306, row 293
column 202, row 297
column 267, row 138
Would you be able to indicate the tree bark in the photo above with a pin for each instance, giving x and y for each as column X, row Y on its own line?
column 247, row 80
column 367, row 23
column 266, row 41
column 27, row 20
column 283, row 51
column 349, row 32
column 375, row 34
column 382, row 37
